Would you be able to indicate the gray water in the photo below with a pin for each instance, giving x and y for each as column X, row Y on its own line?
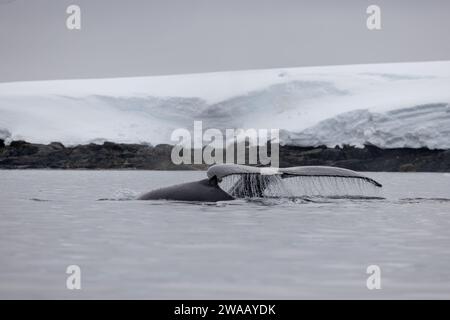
column 271, row 249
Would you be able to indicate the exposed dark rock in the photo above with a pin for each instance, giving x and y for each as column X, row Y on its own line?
column 407, row 167
column 21, row 148
column 22, row 155
column 369, row 158
column 56, row 146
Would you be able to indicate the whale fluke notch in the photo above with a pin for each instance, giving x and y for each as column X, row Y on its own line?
column 220, row 171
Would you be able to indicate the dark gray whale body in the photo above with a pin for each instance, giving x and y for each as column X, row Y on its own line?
column 208, row 190
column 205, row 190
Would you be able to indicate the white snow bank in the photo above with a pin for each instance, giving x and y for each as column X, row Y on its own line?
column 420, row 126
column 389, row 105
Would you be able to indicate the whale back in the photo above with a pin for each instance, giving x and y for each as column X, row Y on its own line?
column 205, row 190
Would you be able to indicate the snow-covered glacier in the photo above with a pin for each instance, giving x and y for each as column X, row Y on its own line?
column 388, row 105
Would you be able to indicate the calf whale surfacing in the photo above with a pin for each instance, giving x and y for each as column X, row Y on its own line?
column 247, row 182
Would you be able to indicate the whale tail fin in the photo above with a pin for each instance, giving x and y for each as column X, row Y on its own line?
column 246, row 181
column 322, row 171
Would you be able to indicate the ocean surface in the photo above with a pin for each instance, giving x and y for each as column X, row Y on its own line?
column 252, row 249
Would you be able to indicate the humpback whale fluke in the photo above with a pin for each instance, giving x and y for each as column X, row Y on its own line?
column 250, row 182
column 223, row 170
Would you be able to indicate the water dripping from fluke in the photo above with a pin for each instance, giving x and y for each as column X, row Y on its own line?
column 308, row 188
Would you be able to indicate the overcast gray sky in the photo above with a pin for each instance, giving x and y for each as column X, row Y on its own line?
column 152, row 37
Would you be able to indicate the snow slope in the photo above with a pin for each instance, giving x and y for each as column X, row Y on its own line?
column 389, row 105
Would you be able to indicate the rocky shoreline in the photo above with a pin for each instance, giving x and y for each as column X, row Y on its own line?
column 24, row 155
